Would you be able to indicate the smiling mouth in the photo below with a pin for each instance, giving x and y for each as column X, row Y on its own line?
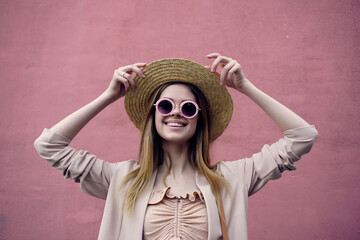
column 175, row 124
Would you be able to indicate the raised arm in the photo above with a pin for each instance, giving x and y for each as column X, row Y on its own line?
column 283, row 117
column 121, row 82
column 232, row 76
column 93, row 173
column 273, row 159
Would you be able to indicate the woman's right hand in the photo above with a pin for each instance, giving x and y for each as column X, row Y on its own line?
column 123, row 79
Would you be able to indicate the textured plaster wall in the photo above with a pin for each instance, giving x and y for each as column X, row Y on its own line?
column 56, row 56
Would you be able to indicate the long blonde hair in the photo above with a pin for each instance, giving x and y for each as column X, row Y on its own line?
column 151, row 153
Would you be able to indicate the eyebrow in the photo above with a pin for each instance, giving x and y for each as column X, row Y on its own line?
column 181, row 101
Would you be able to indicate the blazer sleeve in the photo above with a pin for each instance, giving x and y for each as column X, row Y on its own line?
column 272, row 160
column 93, row 174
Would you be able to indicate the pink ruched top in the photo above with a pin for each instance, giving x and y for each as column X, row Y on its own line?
column 173, row 217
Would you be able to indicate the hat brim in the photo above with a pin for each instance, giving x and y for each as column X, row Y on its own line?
column 181, row 70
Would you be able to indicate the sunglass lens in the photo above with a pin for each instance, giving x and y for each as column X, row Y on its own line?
column 165, row 107
column 188, row 109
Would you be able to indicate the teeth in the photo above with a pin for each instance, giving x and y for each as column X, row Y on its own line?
column 175, row 124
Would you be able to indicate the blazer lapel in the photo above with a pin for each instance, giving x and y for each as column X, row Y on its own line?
column 133, row 224
column 214, row 229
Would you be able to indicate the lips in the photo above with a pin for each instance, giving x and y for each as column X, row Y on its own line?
column 176, row 124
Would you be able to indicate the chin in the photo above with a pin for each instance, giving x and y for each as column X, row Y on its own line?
column 176, row 139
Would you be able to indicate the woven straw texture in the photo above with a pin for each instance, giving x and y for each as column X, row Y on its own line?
column 182, row 70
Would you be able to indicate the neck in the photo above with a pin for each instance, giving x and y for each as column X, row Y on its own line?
column 178, row 153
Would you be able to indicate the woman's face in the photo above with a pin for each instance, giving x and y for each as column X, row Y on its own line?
column 174, row 127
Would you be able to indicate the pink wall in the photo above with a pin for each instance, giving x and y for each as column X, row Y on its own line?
column 58, row 55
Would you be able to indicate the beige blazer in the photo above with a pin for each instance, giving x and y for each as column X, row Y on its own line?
column 246, row 176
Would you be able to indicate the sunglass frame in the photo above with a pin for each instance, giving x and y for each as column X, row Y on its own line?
column 174, row 106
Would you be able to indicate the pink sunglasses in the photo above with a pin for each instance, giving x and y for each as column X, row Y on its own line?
column 166, row 106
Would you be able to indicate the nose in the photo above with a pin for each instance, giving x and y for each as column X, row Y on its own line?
column 177, row 110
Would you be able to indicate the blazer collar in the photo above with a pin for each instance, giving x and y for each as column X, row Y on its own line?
column 214, row 228
column 132, row 226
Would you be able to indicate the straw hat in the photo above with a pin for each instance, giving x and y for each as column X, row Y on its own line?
column 181, row 70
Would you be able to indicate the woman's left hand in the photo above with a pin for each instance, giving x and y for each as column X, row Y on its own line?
column 231, row 74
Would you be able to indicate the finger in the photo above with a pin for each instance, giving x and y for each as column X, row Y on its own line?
column 126, row 77
column 133, row 68
column 216, row 73
column 129, row 68
column 121, row 82
column 120, row 72
column 224, row 72
column 218, row 60
column 131, row 81
column 125, row 82
column 215, row 64
column 213, row 55
column 140, row 64
column 234, row 67
column 138, row 71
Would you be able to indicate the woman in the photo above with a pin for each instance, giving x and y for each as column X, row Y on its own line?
column 172, row 191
